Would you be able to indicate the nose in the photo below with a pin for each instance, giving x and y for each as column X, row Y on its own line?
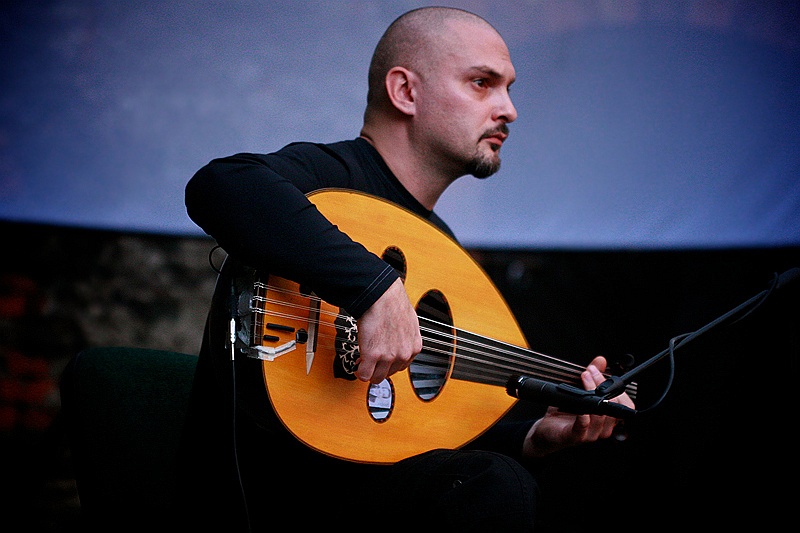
column 505, row 108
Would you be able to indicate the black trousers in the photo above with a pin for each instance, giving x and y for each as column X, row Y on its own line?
column 264, row 479
column 441, row 490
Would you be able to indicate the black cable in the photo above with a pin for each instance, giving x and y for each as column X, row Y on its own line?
column 236, row 449
column 214, row 267
column 670, row 377
column 232, row 340
column 772, row 287
column 679, row 340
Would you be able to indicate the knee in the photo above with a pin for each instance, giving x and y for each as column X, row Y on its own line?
column 492, row 493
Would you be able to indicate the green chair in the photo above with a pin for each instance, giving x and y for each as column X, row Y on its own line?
column 124, row 410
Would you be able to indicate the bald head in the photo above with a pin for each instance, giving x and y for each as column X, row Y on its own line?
column 414, row 41
column 438, row 103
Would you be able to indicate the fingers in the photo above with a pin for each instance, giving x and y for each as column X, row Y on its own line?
column 376, row 370
column 366, row 370
column 382, row 356
column 581, row 429
column 593, row 376
column 600, row 426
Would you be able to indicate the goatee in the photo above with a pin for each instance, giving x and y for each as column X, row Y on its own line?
column 482, row 166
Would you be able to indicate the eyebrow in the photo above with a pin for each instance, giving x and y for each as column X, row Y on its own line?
column 492, row 73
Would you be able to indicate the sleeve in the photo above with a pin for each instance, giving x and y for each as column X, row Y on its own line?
column 255, row 206
column 508, row 435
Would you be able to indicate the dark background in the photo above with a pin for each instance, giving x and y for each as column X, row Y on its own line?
column 717, row 451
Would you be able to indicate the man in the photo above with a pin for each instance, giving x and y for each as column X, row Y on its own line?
column 438, row 108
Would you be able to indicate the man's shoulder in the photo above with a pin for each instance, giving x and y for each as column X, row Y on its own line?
column 354, row 155
column 339, row 148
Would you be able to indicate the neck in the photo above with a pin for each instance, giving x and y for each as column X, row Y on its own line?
column 425, row 183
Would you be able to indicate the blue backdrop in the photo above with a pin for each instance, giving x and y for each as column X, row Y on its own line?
column 642, row 124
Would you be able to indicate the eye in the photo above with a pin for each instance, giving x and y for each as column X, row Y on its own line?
column 481, row 82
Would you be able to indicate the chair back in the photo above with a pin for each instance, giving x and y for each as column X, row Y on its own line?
column 124, row 410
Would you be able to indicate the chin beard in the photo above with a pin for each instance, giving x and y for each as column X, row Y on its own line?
column 483, row 167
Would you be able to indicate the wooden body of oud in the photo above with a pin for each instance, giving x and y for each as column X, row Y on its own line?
column 330, row 414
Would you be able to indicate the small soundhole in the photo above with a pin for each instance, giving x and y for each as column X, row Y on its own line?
column 380, row 400
column 396, row 259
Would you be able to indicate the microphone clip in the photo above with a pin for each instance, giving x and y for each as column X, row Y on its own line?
column 564, row 396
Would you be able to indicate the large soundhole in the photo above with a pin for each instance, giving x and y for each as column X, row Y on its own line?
column 430, row 368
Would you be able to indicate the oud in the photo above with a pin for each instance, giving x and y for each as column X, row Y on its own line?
column 453, row 391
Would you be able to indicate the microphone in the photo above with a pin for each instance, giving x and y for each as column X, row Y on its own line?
column 565, row 397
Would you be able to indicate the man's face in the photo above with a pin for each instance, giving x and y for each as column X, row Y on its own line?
column 465, row 104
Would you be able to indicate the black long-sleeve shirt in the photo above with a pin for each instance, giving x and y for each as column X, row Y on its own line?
column 255, row 207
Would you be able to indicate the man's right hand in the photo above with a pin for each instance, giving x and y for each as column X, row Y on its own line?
column 388, row 335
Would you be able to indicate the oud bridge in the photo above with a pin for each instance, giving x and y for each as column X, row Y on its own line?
column 271, row 352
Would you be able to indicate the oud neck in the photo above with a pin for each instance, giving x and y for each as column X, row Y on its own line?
column 479, row 359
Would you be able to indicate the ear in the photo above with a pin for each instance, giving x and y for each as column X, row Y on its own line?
column 401, row 86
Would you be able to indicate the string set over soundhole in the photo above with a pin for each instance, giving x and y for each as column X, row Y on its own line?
column 428, row 371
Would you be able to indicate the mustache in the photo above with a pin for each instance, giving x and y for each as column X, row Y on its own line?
column 503, row 128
